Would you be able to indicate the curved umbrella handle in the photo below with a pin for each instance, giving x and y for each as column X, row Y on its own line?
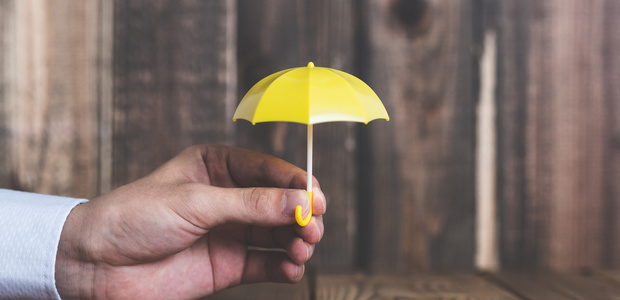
column 298, row 210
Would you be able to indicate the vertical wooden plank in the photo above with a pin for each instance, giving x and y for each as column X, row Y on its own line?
column 105, row 39
column 51, row 104
column 486, row 145
column 275, row 35
column 554, row 104
column 611, row 71
column 7, row 14
column 580, row 134
column 174, row 80
column 519, row 244
column 335, row 155
column 418, row 185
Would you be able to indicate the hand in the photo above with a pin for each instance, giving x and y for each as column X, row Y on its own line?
column 191, row 228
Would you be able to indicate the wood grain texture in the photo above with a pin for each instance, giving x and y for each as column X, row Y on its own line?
column 554, row 134
column 276, row 35
column 78, row 117
column 266, row 291
column 542, row 286
column 50, row 103
column 453, row 286
column 174, row 80
column 418, row 184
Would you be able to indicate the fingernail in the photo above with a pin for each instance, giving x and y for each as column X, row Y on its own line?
column 291, row 199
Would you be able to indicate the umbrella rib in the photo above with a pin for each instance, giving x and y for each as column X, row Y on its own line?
column 348, row 85
column 284, row 72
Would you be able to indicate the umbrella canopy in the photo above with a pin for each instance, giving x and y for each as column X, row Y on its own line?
column 310, row 95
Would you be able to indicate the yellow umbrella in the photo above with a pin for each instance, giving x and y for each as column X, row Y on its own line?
column 310, row 95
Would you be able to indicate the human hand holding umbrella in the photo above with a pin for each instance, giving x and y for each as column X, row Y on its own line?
column 310, row 95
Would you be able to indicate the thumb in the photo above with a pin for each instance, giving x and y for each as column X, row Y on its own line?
column 256, row 206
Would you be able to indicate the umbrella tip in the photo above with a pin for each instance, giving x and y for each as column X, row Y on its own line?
column 310, row 65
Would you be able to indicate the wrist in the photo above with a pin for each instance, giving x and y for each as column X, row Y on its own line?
column 73, row 273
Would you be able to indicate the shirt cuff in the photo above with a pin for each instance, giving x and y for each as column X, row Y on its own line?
column 30, row 228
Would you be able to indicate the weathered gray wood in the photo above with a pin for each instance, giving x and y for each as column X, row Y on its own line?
column 276, row 35
column 174, row 80
column 175, row 85
column 519, row 239
column 267, row 291
column 105, row 38
column 50, row 98
column 7, row 13
column 418, row 169
column 535, row 286
column 611, row 71
column 554, row 134
column 453, row 286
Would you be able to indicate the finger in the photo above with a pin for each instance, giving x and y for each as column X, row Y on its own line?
column 273, row 237
column 319, row 203
column 267, row 207
column 284, row 237
column 299, row 251
column 236, row 167
column 261, row 237
column 265, row 266
column 229, row 166
column 313, row 232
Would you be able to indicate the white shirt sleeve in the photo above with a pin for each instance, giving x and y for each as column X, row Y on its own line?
column 30, row 227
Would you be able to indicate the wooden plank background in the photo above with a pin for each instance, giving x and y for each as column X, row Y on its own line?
column 49, row 100
column 418, row 60
column 558, row 120
column 95, row 94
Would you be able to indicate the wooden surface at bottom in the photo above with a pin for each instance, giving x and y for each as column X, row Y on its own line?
column 267, row 291
column 449, row 286
column 592, row 284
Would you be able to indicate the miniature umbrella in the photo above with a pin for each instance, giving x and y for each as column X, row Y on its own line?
column 310, row 95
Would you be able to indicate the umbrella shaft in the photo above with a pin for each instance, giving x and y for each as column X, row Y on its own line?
column 309, row 151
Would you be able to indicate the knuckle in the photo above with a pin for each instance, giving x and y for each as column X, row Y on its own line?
column 188, row 203
column 256, row 200
column 192, row 192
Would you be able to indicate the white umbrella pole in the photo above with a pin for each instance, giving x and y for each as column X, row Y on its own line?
column 298, row 217
column 309, row 151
